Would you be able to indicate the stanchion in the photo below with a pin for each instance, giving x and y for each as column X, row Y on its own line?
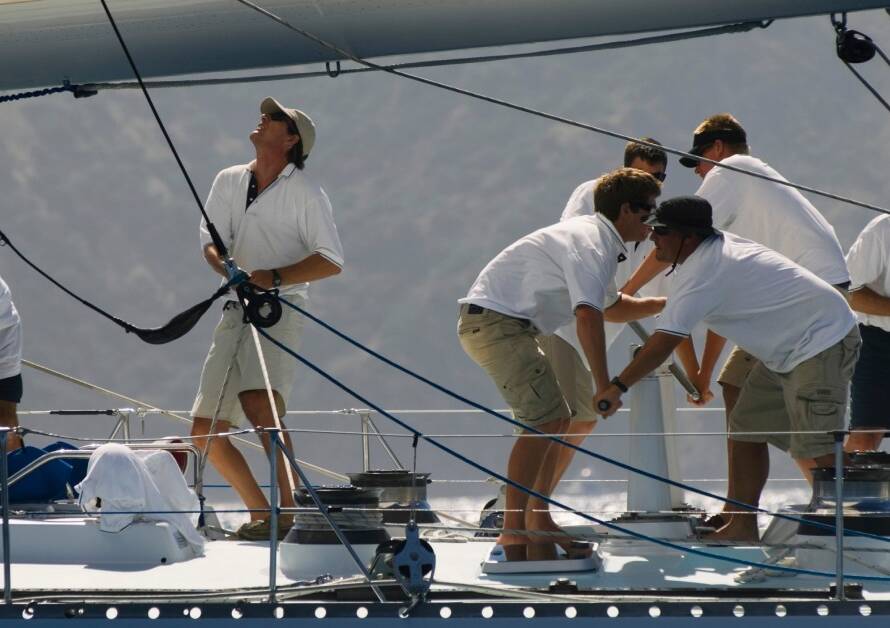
column 4, row 484
column 839, row 512
column 273, row 513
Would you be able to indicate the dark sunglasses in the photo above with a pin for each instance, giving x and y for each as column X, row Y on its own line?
column 639, row 206
column 661, row 176
column 281, row 117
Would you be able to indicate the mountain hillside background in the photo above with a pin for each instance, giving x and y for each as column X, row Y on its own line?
column 426, row 186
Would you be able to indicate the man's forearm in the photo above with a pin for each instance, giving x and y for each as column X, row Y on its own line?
column 714, row 344
column 644, row 273
column 629, row 308
column 868, row 301
column 312, row 268
column 686, row 354
column 211, row 255
column 589, row 324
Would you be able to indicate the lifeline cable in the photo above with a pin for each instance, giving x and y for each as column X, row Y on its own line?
column 550, row 500
column 555, row 439
column 549, row 116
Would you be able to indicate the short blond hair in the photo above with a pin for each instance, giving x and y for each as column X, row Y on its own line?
column 624, row 185
column 724, row 122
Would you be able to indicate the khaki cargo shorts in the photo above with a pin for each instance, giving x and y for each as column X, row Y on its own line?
column 574, row 379
column 810, row 397
column 232, row 340
column 507, row 349
column 737, row 368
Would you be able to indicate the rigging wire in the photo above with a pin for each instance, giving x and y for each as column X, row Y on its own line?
column 214, row 235
column 740, row 27
column 548, row 116
column 566, row 507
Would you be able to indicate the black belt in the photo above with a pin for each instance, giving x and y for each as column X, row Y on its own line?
column 472, row 308
column 475, row 309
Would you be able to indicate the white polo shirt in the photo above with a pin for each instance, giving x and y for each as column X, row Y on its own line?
column 10, row 335
column 544, row 276
column 869, row 264
column 778, row 311
column 776, row 216
column 289, row 221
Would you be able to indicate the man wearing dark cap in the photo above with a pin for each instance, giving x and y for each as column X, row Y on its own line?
column 774, row 215
column 798, row 328
column 278, row 226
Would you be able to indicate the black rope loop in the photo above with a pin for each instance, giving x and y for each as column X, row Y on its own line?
column 261, row 308
column 37, row 93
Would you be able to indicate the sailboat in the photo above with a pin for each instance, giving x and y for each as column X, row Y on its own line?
column 54, row 42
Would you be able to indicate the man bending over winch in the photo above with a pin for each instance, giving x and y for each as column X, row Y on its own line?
column 558, row 274
column 798, row 327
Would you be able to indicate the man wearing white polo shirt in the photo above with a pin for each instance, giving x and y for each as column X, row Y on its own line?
column 777, row 216
column 278, row 226
column 798, row 327
column 562, row 348
column 556, row 275
column 869, row 264
column 10, row 365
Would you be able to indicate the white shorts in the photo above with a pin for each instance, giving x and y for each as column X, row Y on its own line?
column 233, row 344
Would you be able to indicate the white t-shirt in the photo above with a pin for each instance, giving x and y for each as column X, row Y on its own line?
column 10, row 335
column 289, row 221
column 778, row 311
column 776, row 216
column 869, row 264
column 544, row 276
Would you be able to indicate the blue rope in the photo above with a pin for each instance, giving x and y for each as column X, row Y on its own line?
column 549, row 500
column 555, row 439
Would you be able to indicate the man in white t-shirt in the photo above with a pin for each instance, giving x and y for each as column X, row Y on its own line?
column 278, row 226
column 558, row 274
column 562, row 348
column 798, row 327
column 10, row 364
column 869, row 264
column 774, row 215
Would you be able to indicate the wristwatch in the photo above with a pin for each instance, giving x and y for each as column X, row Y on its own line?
column 276, row 278
column 618, row 384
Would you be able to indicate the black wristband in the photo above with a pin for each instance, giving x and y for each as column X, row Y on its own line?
column 618, row 384
column 276, row 278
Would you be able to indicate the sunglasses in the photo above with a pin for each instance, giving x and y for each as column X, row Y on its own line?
column 281, row 117
column 661, row 176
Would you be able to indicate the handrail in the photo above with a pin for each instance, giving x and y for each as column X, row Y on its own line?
column 87, row 451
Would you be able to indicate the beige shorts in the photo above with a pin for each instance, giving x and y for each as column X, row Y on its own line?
column 574, row 379
column 233, row 340
column 737, row 367
column 507, row 349
column 810, row 397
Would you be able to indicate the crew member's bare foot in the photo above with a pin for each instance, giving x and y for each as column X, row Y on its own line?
column 514, row 546
column 741, row 528
column 543, row 548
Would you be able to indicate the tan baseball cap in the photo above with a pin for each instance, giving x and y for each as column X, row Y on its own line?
column 305, row 126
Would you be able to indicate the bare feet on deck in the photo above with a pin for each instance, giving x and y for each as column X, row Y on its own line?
column 544, row 547
column 741, row 528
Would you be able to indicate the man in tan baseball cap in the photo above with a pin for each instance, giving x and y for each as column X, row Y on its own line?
column 303, row 124
column 278, row 225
